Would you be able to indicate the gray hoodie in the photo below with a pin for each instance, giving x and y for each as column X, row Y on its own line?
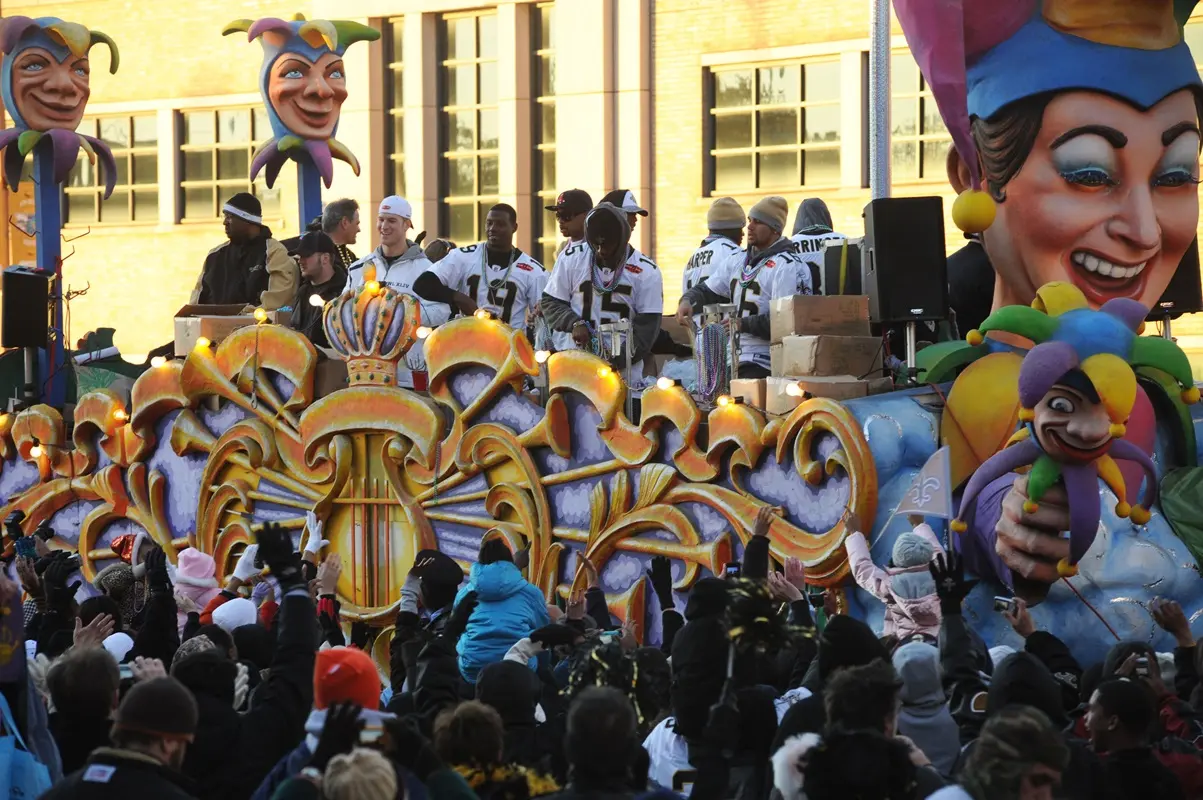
column 924, row 717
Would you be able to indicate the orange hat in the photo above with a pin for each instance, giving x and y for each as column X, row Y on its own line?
column 345, row 675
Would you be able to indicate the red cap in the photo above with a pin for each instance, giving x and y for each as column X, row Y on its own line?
column 345, row 675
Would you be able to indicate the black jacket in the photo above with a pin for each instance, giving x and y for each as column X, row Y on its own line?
column 159, row 636
column 77, row 736
column 232, row 753
column 121, row 774
column 306, row 317
column 1139, row 774
column 1021, row 679
column 259, row 272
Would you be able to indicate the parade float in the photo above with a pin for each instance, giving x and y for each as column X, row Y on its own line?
column 546, row 453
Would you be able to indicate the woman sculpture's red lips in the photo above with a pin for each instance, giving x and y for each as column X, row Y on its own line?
column 1098, row 289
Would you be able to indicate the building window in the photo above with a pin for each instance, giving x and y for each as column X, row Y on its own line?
column 395, row 98
column 775, row 127
column 469, row 123
column 217, row 147
column 919, row 139
column 543, row 89
column 134, row 141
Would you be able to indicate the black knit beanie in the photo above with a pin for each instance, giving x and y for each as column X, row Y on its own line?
column 158, row 707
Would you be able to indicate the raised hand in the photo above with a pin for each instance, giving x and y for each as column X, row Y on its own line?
column 555, row 635
column 1170, row 618
column 1020, row 619
column 94, row 633
column 795, row 573
column 339, row 735
column 328, row 574
column 661, row 576
column 276, row 551
column 156, row 570
column 948, row 571
column 314, row 543
column 764, row 518
column 145, row 669
column 782, row 589
column 245, row 570
column 592, row 578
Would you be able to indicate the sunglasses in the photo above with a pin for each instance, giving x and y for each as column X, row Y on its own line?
column 568, row 216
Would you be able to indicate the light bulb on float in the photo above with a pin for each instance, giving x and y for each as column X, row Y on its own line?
column 423, row 332
column 793, row 390
column 120, row 415
column 158, row 361
column 260, row 315
column 203, row 343
column 316, row 301
column 35, row 451
column 604, row 372
column 665, row 383
column 372, row 287
column 541, row 356
column 483, row 313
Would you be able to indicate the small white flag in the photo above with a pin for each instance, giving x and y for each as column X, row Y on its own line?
column 931, row 493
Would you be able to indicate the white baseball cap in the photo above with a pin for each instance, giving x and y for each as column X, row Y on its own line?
column 625, row 199
column 397, row 206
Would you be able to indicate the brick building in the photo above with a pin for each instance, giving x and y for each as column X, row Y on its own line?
column 462, row 105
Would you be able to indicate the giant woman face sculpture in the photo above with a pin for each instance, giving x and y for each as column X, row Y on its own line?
column 1078, row 120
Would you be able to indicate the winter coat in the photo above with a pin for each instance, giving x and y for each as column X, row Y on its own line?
column 906, row 615
column 258, row 273
column 299, row 758
column 924, row 717
column 272, row 727
column 121, row 774
column 77, row 736
column 509, row 609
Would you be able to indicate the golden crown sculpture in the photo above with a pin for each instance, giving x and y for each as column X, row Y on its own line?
column 372, row 327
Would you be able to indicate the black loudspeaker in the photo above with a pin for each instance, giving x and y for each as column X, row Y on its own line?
column 1184, row 294
column 841, row 273
column 905, row 269
column 25, row 310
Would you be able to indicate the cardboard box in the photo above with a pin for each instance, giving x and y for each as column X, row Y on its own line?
column 329, row 377
column 775, row 360
column 827, row 355
column 814, row 315
column 751, row 391
column 837, row 387
column 214, row 322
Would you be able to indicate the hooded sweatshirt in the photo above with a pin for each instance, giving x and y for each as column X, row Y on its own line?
column 255, row 273
column 924, row 717
column 400, row 272
column 509, row 609
column 907, row 611
column 812, row 227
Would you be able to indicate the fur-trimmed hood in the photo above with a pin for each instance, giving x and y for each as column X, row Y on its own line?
column 789, row 762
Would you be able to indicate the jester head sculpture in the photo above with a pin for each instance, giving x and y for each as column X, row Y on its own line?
column 304, row 84
column 1077, row 388
column 45, row 79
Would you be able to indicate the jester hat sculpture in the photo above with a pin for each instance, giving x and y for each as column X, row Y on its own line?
column 45, row 88
column 978, row 56
column 304, row 85
column 1077, row 388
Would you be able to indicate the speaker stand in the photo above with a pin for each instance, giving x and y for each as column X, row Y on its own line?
column 1165, row 329
column 30, row 394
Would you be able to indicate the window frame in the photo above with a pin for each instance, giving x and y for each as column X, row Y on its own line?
column 713, row 113
column 222, row 188
column 478, row 200
column 921, row 97
column 546, row 234
column 96, row 188
column 394, row 87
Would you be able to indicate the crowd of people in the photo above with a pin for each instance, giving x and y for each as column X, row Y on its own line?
column 163, row 682
column 598, row 281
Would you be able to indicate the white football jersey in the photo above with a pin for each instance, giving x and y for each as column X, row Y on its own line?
column 705, row 260
column 400, row 275
column 640, row 290
column 810, row 246
column 780, row 275
column 509, row 294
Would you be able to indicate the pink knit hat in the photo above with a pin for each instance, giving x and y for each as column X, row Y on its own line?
column 196, row 569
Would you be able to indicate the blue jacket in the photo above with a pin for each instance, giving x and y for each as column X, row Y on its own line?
column 509, row 609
